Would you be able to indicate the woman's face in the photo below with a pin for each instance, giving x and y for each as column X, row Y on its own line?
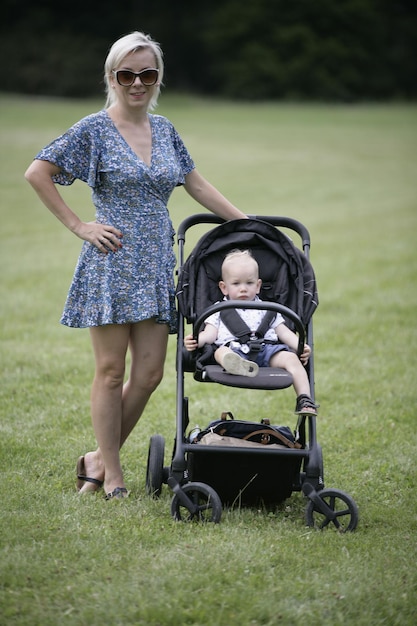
column 138, row 94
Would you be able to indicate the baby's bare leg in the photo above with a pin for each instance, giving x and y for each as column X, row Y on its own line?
column 290, row 362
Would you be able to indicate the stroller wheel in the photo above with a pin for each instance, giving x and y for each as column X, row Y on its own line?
column 196, row 502
column 155, row 466
column 332, row 506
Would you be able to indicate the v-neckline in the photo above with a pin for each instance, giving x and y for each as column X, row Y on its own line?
column 149, row 166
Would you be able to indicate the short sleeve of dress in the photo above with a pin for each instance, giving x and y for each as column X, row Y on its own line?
column 184, row 159
column 76, row 152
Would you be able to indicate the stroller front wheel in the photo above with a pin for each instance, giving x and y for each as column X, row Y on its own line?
column 196, row 502
column 332, row 506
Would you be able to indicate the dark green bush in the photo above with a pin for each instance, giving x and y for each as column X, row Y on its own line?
column 303, row 49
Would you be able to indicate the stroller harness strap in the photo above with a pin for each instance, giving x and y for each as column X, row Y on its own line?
column 236, row 325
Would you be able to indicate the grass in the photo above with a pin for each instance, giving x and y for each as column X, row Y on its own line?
column 348, row 173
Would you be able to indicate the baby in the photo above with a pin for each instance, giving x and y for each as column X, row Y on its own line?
column 240, row 281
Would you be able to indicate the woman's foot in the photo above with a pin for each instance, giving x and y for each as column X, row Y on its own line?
column 234, row 364
column 90, row 473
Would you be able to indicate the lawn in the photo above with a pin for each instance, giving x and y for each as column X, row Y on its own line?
column 349, row 174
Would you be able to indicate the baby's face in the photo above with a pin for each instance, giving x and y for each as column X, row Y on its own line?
column 241, row 280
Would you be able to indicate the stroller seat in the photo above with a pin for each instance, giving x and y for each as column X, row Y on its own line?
column 267, row 378
column 288, row 287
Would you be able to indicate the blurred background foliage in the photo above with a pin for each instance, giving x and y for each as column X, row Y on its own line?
column 328, row 50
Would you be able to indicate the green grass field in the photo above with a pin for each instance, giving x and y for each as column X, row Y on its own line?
column 349, row 174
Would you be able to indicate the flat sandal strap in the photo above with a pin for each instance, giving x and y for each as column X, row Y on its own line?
column 88, row 479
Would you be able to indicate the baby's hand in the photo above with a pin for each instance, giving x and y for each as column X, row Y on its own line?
column 306, row 354
column 190, row 343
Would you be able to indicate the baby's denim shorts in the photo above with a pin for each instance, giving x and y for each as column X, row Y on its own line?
column 265, row 354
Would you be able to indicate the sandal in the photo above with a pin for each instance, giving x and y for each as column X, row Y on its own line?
column 305, row 406
column 83, row 478
column 117, row 494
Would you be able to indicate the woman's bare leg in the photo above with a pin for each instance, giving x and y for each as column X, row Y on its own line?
column 110, row 344
column 148, row 345
column 117, row 407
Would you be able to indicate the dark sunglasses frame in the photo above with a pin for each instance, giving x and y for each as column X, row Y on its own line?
column 135, row 75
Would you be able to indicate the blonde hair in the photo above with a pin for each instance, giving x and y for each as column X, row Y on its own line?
column 120, row 49
column 236, row 256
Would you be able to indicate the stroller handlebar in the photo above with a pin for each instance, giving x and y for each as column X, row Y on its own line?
column 274, row 220
column 264, row 306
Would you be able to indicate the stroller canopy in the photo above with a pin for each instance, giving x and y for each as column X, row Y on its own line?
column 287, row 275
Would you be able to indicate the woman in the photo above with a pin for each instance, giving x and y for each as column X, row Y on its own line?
column 123, row 286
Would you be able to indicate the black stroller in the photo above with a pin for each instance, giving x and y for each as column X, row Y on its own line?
column 261, row 464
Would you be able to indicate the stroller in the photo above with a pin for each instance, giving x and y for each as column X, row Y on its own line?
column 258, row 464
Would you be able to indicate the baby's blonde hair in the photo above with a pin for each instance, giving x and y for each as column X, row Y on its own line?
column 236, row 256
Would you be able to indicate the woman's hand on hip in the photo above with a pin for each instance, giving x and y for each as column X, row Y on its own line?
column 106, row 238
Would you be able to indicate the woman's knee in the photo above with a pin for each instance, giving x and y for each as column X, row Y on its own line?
column 110, row 373
column 110, row 347
column 155, row 380
column 147, row 378
column 148, row 349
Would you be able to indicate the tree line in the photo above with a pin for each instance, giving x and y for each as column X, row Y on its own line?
column 329, row 50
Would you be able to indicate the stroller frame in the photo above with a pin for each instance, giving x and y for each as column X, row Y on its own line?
column 198, row 474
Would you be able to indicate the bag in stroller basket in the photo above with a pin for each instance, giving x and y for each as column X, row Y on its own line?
column 242, row 432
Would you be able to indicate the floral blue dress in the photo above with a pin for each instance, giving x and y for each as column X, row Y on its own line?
column 136, row 282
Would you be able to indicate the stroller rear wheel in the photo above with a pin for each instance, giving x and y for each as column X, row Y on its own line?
column 332, row 506
column 155, row 466
column 196, row 502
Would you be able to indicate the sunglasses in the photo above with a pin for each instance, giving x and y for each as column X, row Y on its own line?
column 126, row 78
